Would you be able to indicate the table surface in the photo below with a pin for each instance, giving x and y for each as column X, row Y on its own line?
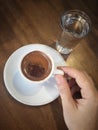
column 38, row 21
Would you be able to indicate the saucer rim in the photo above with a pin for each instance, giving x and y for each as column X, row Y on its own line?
column 6, row 65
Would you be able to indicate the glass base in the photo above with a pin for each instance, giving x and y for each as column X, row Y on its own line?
column 62, row 49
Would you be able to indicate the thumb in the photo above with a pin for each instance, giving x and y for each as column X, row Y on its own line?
column 65, row 93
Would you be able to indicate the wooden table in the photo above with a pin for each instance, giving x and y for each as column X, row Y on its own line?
column 38, row 21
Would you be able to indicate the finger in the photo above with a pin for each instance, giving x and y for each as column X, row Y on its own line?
column 83, row 80
column 79, row 76
column 65, row 92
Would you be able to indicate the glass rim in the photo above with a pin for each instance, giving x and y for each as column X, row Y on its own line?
column 76, row 11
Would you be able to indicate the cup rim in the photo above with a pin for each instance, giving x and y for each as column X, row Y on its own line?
column 34, row 81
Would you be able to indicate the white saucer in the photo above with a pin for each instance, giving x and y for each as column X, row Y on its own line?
column 47, row 92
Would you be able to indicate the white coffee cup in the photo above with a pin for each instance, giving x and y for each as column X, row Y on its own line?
column 34, row 60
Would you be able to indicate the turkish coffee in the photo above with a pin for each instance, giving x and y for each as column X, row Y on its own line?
column 36, row 66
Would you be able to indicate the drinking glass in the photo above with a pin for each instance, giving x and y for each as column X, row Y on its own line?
column 76, row 25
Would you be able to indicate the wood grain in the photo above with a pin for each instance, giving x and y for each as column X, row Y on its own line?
column 38, row 21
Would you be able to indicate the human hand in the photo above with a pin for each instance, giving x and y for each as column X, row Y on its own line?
column 79, row 114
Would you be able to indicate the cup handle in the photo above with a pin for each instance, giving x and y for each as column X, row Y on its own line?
column 57, row 71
